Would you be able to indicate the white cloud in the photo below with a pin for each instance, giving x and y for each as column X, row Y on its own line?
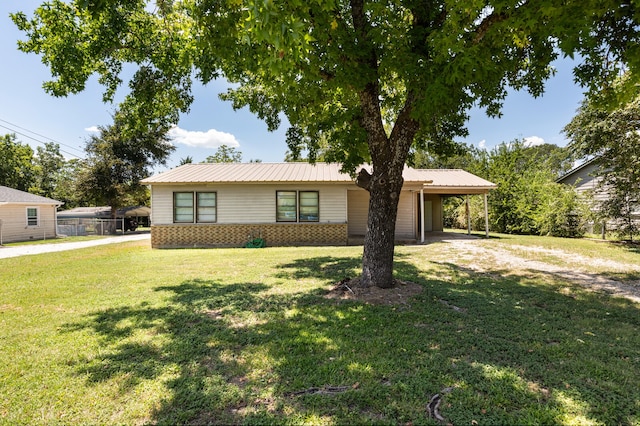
column 482, row 144
column 92, row 129
column 210, row 139
column 533, row 141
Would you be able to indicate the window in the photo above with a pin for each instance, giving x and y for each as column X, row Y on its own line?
column 204, row 207
column 286, row 209
column 294, row 206
column 309, row 208
column 32, row 216
column 183, row 207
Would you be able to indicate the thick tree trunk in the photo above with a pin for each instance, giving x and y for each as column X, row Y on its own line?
column 388, row 155
column 379, row 241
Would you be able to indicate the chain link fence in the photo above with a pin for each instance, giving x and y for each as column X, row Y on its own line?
column 48, row 229
column 93, row 226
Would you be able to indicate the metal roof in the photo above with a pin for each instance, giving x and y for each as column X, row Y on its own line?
column 305, row 172
column 15, row 196
column 251, row 172
column 104, row 212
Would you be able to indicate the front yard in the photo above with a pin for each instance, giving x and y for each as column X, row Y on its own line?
column 128, row 335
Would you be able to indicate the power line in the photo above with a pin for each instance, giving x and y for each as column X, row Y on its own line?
column 42, row 136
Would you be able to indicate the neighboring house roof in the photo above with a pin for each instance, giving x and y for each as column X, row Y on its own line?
column 568, row 177
column 105, row 212
column 15, row 196
column 305, row 172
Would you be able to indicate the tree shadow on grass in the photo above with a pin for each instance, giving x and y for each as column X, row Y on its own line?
column 574, row 351
column 514, row 351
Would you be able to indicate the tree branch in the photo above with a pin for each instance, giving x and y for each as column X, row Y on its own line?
column 363, row 180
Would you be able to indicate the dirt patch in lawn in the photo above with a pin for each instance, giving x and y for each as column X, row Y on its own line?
column 352, row 289
column 486, row 259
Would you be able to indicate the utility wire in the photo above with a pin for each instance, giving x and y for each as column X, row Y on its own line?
column 42, row 136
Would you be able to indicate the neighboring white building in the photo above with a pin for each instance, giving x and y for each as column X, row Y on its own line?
column 25, row 216
column 225, row 204
column 584, row 178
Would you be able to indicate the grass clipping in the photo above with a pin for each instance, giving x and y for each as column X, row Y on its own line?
column 352, row 289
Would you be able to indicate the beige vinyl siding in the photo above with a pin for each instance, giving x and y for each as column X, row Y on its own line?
column 358, row 201
column 238, row 203
column 582, row 179
column 358, row 206
column 406, row 216
column 14, row 222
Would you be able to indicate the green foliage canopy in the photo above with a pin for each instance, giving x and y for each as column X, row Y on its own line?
column 426, row 62
column 225, row 154
column 117, row 159
column 17, row 170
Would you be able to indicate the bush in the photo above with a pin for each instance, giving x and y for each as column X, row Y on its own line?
column 561, row 212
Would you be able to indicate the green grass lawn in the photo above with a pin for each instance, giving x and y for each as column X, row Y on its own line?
column 122, row 334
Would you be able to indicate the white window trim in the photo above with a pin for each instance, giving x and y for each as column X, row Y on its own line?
column 26, row 213
column 298, row 206
column 195, row 206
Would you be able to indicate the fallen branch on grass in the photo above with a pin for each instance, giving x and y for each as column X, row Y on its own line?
column 433, row 407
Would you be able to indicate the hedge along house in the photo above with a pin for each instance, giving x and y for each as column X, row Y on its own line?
column 25, row 216
column 227, row 204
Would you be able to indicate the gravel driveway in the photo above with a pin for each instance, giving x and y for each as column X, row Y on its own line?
column 49, row 248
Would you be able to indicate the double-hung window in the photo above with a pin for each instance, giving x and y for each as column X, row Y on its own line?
column 33, row 217
column 297, row 206
column 194, row 207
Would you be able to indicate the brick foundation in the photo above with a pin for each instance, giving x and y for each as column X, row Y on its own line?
column 237, row 235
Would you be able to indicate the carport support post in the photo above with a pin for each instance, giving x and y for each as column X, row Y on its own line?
column 486, row 216
column 468, row 216
column 422, row 215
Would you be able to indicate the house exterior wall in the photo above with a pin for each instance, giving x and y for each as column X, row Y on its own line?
column 582, row 179
column 14, row 223
column 247, row 204
column 407, row 221
column 248, row 210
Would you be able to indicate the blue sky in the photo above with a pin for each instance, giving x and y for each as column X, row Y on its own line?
column 36, row 117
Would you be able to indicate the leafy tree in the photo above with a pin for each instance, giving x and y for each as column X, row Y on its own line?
column 373, row 78
column 186, row 160
column 612, row 137
column 67, row 180
column 117, row 159
column 48, row 162
column 225, row 154
column 16, row 163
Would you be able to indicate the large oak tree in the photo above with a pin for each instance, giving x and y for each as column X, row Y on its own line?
column 372, row 78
